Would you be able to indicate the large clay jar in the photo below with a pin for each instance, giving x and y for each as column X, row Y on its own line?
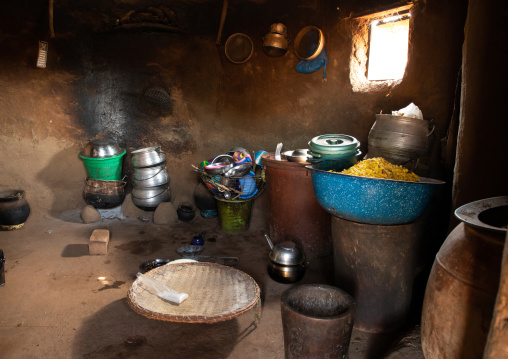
column 14, row 209
column 462, row 286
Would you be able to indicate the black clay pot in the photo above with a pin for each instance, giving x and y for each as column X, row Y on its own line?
column 104, row 194
column 204, row 199
column 14, row 209
column 186, row 212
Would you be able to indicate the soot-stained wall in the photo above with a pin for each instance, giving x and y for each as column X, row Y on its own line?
column 98, row 75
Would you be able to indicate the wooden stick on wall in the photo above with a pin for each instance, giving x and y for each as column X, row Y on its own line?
column 51, row 28
column 222, row 20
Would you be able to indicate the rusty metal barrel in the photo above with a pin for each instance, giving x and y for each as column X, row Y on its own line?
column 317, row 321
column 377, row 264
column 295, row 213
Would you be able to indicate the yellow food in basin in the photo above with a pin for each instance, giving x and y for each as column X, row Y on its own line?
column 378, row 167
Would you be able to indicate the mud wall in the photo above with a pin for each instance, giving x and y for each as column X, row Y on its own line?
column 97, row 74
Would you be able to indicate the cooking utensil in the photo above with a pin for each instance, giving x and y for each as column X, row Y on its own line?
column 275, row 43
column 186, row 212
column 155, row 101
column 152, row 263
column 286, row 253
column 148, row 157
column 286, row 262
column 239, row 48
column 309, row 43
column 238, row 170
column 286, row 274
column 149, row 198
column 301, row 155
column 150, row 176
column 101, row 148
column 371, row 200
column 155, row 263
column 218, row 168
column 334, row 144
column 223, row 159
column 189, row 251
column 104, row 194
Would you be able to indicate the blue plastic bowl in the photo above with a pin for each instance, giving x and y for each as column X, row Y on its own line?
column 372, row 200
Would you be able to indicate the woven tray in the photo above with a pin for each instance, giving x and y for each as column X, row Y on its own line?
column 216, row 293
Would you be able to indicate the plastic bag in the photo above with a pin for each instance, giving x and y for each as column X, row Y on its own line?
column 410, row 110
column 161, row 290
column 309, row 66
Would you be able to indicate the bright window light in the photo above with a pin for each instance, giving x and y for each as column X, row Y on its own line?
column 388, row 46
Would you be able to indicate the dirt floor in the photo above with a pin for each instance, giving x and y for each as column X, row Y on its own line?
column 60, row 302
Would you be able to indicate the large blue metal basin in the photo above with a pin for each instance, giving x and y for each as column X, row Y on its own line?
column 372, row 200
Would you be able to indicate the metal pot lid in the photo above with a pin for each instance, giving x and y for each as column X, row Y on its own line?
column 102, row 148
column 286, row 253
column 489, row 213
column 334, row 144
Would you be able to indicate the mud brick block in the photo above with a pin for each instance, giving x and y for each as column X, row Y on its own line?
column 99, row 241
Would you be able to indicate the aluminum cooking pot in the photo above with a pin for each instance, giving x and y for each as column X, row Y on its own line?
column 150, row 176
column 286, row 263
column 147, row 157
column 101, row 148
column 149, row 198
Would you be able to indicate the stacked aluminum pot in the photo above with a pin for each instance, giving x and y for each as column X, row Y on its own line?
column 150, row 180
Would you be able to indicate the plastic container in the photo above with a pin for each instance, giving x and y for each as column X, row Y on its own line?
column 106, row 169
column 234, row 216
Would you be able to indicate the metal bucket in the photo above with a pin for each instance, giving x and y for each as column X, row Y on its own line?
column 317, row 321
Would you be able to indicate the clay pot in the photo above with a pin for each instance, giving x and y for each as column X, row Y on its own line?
column 463, row 283
column 186, row 212
column 14, row 209
column 104, row 194
column 204, row 199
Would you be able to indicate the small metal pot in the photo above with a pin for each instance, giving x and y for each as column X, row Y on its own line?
column 286, row 262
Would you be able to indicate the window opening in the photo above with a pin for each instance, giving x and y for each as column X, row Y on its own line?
column 388, row 46
column 373, row 52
